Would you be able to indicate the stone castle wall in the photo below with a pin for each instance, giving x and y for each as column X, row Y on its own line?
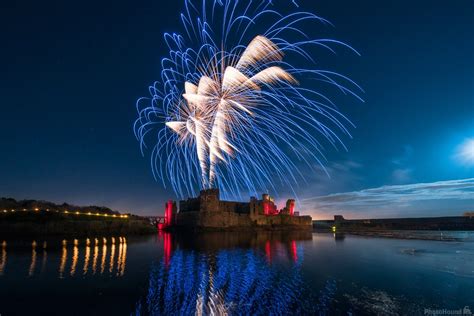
column 208, row 212
column 189, row 205
column 235, row 207
column 230, row 220
column 209, row 201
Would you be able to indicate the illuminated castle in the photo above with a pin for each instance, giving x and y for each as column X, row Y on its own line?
column 207, row 211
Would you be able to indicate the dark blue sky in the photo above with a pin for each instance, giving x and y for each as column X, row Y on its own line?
column 72, row 71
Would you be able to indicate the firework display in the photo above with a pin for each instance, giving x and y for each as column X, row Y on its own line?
column 240, row 104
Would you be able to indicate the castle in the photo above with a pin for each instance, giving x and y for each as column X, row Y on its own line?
column 207, row 211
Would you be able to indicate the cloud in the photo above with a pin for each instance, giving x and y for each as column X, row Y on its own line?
column 336, row 176
column 342, row 175
column 443, row 198
column 402, row 175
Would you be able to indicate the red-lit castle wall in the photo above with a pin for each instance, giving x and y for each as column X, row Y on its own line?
column 208, row 211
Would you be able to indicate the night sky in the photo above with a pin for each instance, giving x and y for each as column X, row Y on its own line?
column 72, row 72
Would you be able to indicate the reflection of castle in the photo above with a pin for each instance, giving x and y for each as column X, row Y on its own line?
column 245, row 274
column 209, row 212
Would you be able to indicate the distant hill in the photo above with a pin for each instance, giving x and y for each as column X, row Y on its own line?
column 12, row 204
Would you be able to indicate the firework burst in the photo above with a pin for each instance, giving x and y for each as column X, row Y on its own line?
column 230, row 110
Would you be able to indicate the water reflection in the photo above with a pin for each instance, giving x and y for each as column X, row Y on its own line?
column 62, row 265
column 31, row 270
column 226, row 276
column 104, row 256
column 75, row 256
column 167, row 248
column 236, row 273
column 82, row 255
column 94, row 258
column 339, row 236
column 45, row 257
column 87, row 258
column 3, row 258
column 111, row 261
column 122, row 258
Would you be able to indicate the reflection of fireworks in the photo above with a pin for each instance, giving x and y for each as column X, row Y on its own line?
column 228, row 282
column 235, row 116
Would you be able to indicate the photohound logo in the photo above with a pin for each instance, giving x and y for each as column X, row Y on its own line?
column 462, row 311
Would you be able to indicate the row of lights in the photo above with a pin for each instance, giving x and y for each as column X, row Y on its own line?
column 96, row 241
column 97, row 214
column 78, row 213
column 88, row 242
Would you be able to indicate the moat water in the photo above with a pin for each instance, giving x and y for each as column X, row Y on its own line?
column 236, row 273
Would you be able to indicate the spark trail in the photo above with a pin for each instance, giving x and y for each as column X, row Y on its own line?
column 231, row 111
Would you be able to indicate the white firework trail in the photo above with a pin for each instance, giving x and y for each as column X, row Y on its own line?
column 230, row 110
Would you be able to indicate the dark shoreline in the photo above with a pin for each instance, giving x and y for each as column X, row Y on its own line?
column 50, row 224
column 421, row 228
column 445, row 236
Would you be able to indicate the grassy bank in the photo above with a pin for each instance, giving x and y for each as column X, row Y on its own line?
column 47, row 223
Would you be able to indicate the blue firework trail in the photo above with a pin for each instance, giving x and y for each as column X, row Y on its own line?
column 231, row 111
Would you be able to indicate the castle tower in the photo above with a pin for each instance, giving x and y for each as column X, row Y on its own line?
column 290, row 205
column 253, row 205
column 169, row 212
column 209, row 200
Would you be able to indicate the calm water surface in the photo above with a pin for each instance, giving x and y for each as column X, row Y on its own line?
column 235, row 273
